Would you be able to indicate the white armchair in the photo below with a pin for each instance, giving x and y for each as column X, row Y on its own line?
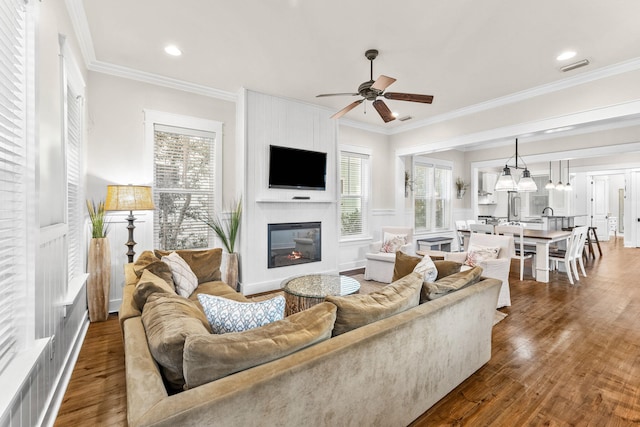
column 380, row 265
column 494, row 268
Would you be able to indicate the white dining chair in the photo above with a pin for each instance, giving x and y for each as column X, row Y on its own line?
column 461, row 225
column 481, row 228
column 572, row 256
column 521, row 253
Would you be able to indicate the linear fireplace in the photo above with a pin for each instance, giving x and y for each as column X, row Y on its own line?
column 293, row 243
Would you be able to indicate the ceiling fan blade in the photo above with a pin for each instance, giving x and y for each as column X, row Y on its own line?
column 382, row 83
column 336, row 94
column 425, row 99
column 346, row 109
column 383, row 110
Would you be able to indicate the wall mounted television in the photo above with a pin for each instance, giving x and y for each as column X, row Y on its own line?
column 293, row 168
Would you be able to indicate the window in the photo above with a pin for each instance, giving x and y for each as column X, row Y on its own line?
column 15, row 175
column 354, row 193
column 186, row 188
column 432, row 195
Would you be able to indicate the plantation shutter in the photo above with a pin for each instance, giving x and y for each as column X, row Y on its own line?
column 13, row 169
column 354, row 173
column 184, row 190
column 74, row 190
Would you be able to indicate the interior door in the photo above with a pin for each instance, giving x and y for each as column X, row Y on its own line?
column 600, row 206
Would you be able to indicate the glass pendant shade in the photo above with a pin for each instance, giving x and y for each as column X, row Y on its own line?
column 506, row 182
column 526, row 183
column 560, row 186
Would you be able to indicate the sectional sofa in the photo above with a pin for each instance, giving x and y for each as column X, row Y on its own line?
column 384, row 373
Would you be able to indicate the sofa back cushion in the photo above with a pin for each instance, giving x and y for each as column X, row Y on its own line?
column 447, row 268
column 204, row 263
column 454, row 282
column 168, row 320
column 404, row 265
column 209, row 357
column 358, row 310
column 149, row 284
column 150, row 262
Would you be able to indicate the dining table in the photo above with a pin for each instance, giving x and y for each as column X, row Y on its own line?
column 542, row 239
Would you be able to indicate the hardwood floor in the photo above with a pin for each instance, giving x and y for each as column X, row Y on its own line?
column 565, row 355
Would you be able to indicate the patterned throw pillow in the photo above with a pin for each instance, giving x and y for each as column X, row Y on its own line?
column 393, row 242
column 427, row 269
column 476, row 254
column 186, row 282
column 226, row 315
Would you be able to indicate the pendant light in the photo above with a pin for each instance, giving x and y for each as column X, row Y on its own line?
column 568, row 186
column 560, row 185
column 506, row 181
column 550, row 185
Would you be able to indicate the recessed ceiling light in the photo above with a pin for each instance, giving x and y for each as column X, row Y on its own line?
column 395, row 114
column 566, row 55
column 172, row 50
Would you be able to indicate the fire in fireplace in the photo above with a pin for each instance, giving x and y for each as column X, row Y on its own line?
column 294, row 243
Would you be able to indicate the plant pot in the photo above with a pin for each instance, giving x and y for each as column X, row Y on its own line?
column 98, row 283
column 231, row 271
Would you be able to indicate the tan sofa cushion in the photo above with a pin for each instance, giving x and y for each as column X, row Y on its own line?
column 454, row 282
column 404, row 265
column 204, row 263
column 149, row 284
column 447, row 268
column 168, row 320
column 148, row 261
column 355, row 311
column 209, row 357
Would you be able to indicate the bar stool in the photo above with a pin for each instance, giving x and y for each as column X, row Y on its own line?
column 592, row 231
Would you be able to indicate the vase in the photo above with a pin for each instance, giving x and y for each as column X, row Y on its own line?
column 231, row 272
column 98, row 283
column 461, row 193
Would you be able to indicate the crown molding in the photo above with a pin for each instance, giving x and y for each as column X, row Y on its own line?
column 600, row 73
column 81, row 26
column 156, row 79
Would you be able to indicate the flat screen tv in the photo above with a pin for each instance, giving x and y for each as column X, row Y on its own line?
column 293, row 168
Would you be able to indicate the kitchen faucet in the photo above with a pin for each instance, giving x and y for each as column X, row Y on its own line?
column 548, row 207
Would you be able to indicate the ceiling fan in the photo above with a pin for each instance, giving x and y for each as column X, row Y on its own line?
column 372, row 89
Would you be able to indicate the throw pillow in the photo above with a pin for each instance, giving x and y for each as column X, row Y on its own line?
column 391, row 243
column 404, row 265
column 204, row 263
column 225, row 315
column 168, row 320
column 148, row 261
column 447, row 268
column 149, row 284
column 186, row 282
column 210, row 357
column 427, row 269
column 358, row 310
column 477, row 254
column 454, row 282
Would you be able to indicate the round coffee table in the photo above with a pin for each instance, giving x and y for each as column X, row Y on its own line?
column 302, row 292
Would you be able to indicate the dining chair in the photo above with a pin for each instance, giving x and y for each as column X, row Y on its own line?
column 521, row 253
column 481, row 228
column 572, row 256
column 460, row 225
column 471, row 221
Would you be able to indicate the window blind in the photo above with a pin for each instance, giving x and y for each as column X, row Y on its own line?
column 184, row 171
column 75, row 200
column 354, row 175
column 13, row 169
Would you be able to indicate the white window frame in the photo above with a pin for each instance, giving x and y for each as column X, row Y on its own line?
column 153, row 118
column 433, row 164
column 366, row 191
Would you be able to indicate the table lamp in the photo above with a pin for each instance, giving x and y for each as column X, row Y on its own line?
column 129, row 198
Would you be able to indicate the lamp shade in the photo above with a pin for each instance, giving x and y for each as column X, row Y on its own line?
column 527, row 183
column 506, row 182
column 129, row 198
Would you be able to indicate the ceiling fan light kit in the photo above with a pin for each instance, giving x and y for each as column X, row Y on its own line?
column 371, row 90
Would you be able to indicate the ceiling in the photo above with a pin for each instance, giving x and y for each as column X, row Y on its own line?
column 463, row 52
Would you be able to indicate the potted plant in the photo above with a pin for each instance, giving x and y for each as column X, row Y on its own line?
column 461, row 187
column 98, row 264
column 227, row 232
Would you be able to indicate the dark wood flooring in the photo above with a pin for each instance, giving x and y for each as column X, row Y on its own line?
column 564, row 356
